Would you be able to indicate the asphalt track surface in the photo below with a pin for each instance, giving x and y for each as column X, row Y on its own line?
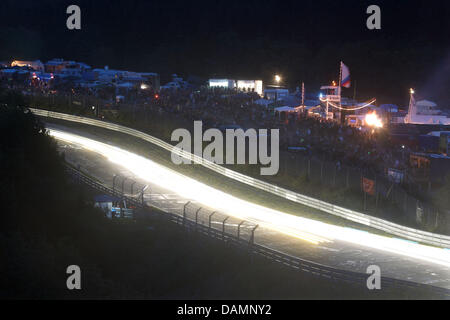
column 432, row 267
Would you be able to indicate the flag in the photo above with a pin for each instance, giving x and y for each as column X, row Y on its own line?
column 345, row 76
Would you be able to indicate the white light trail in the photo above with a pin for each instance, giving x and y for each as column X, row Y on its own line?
column 309, row 230
column 348, row 109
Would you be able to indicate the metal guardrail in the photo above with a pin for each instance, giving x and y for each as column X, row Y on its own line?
column 296, row 263
column 100, row 187
column 425, row 237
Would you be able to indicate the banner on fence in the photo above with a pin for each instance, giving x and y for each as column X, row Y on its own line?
column 368, row 186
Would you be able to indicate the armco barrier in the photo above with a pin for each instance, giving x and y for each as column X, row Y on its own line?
column 377, row 223
column 297, row 263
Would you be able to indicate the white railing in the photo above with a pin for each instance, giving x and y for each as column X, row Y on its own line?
column 376, row 223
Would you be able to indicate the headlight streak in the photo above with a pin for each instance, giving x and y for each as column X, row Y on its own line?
column 313, row 231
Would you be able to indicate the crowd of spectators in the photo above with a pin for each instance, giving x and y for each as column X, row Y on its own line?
column 325, row 139
column 220, row 108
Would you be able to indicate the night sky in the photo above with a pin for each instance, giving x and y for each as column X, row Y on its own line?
column 254, row 39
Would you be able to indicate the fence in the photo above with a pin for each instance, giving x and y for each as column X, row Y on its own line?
column 377, row 223
column 240, row 233
column 387, row 199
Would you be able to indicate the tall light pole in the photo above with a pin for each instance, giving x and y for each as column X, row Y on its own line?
column 277, row 79
column 123, row 183
column 411, row 105
column 142, row 193
column 114, row 182
column 134, row 182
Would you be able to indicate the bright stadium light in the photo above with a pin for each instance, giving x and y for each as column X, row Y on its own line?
column 312, row 231
column 277, row 78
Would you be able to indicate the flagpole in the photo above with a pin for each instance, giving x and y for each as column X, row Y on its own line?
column 340, row 80
column 303, row 94
column 339, row 91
